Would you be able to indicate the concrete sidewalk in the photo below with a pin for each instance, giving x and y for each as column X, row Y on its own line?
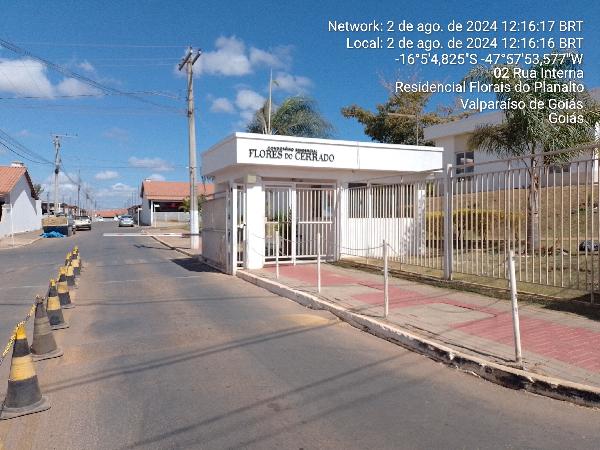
column 555, row 344
column 20, row 239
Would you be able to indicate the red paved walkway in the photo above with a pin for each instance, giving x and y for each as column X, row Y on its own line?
column 547, row 336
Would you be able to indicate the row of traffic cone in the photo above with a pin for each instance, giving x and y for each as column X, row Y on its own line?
column 23, row 395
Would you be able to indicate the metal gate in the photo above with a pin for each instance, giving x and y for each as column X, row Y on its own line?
column 299, row 213
column 240, row 223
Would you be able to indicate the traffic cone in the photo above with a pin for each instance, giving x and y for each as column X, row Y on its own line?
column 43, row 346
column 63, row 289
column 53, row 309
column 70, row 276
column 23, row 395
column 76, row 262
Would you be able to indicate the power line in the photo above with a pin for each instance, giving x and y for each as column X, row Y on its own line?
column 36, row 97
column 69, row 73
column 21, row 150
column 70, row 44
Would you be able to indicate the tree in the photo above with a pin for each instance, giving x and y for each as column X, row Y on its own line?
column 185, row 203
column 38, row 190
column 387, row 126
column 528, row 132
column 296, row 116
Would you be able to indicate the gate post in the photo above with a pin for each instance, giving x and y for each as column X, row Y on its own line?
column 447, row 232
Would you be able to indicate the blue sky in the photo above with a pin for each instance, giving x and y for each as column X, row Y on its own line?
column 134, row 46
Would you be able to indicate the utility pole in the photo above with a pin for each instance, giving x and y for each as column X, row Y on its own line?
column 78, row 190
column 188, row 61
column 56, row 142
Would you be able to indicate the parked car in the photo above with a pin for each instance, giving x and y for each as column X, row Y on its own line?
column 99, row 219
column 126, row 221
column 83, row 223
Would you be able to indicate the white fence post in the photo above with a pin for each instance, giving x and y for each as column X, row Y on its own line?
column 447, row 233
column 386, row 300
column 319, row 262
column 277, row 253
column 515, row 307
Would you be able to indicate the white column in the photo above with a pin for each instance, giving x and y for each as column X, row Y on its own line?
column 233, row 227
column 255, row 226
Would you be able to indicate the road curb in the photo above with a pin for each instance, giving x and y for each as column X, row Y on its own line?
column 503, row 375
column 180, row 250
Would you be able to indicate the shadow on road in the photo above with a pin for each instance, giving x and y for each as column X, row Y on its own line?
column 193, row 265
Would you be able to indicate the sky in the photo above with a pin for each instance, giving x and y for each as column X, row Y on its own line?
column 134, row 47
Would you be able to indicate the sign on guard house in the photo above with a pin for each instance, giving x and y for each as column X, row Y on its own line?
column 293, row 186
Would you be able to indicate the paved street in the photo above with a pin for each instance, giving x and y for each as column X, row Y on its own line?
column 162, row 352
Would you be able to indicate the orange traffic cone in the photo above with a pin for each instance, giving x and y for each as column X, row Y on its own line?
column 23, row 395
column 43, row 346
column 53, row 309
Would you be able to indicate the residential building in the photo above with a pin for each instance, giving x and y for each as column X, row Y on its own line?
column 20, row 208
column 162, row 201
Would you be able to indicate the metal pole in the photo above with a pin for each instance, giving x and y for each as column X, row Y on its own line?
column 319, row 262
column 386, row 297
column 515, row 307
column 447, row 233
column 277, row 254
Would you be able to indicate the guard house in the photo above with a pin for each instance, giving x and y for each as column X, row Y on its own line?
column 291, row 198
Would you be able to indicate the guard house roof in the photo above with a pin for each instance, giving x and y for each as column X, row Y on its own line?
column 10, row 176
column 171, row 190
column 248, row 150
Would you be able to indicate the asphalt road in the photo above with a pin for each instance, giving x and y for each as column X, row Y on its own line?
column 163, row 353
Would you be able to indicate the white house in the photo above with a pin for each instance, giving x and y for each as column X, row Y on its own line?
column 302, row 190
column 20, row 209
column 453, row 137
column 162, row 200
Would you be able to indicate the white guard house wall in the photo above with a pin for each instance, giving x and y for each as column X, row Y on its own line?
column 301, row 188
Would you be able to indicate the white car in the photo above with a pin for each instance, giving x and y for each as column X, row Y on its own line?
column 83, row 223
column 126, row 221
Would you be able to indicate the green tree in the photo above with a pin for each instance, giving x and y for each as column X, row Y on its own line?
column 185, row 203
column 400, row 118
column 38, row 189
column 528, row 132
column 296, row 116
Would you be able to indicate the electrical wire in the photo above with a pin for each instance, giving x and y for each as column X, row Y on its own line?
column 69, row 73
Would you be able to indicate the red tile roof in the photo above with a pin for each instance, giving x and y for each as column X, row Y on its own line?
column 9, row 176
column 172, row 190
column 109, row 213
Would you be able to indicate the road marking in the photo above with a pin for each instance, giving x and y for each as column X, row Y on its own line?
column 145, row 279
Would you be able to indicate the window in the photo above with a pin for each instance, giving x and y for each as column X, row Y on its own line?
column 466, row 159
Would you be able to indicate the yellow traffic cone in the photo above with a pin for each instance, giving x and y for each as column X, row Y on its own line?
column 70, row 276
column 23, row 395
column 43, row 346
column 63, row 289
column 53, row 309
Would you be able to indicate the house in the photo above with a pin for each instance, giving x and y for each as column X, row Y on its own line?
column 453, row 137
column 162, row 201
column 20, row 208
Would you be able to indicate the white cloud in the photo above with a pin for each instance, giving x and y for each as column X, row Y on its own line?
column 158, row 164
column 25, row 77
column 87, row 66
column 106, row 175
column 65, row 185
column 231, row 58
column 71, row 86
column 156, row 177
column 122, row 187
column 247, row 99
column 294, row 84
column 222, row 105
column 116, row 133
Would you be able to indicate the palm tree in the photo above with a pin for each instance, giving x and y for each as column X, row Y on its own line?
column 296, row 116
column 527, row 132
